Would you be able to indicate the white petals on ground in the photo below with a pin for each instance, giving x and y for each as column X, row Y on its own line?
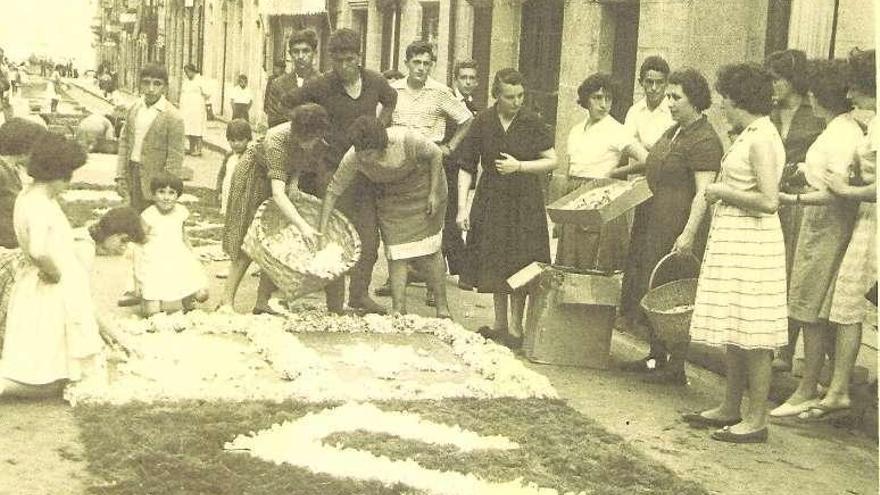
column 311, row 356
column 299, row 443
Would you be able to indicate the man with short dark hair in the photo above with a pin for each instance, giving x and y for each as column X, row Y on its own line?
column 152, row 139
column 649, row 117
column 347, row 92
column 302, row 47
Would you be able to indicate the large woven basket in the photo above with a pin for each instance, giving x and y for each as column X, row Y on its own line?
column 660, row 301
column 269, row 221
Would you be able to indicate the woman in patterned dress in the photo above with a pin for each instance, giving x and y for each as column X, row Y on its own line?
column 825, row 229
column 278, row 158
column 858, row 270
column 507, row 226
column 741, row 300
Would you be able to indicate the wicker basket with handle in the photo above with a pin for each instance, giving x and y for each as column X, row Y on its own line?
column 669, row 306
column 269, row 222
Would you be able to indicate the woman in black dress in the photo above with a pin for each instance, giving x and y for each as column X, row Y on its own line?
column 507, row 227
column 679, row 167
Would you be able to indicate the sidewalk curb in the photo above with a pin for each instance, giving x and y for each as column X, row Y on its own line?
column 209, row 141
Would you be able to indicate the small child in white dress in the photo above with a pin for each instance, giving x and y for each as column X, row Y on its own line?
column 166, row 268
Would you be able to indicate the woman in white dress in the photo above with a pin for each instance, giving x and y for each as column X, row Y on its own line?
column 52, row 332
column 741, row 293
column 193, row 97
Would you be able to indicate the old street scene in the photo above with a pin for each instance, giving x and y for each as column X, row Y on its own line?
column 435, row 247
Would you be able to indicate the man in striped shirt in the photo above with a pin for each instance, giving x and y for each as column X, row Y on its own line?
column 427, row 106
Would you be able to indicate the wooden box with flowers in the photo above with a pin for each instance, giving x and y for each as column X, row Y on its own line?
column 599, row 201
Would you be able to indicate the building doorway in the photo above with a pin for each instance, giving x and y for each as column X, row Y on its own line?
column 623, row 60
column 540, row 52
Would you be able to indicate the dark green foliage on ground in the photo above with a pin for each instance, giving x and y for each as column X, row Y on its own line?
column 178, row 448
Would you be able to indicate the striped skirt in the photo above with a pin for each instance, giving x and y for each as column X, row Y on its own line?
column 741, row 294
column 858, row 270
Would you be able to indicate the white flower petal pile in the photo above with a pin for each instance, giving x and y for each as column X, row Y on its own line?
column 300, row 443
column 198, row 356
column 74, row 195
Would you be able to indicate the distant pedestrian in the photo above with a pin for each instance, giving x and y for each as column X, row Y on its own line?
column 302, row 47
column 53, row 87
column 193, row 98
column 152, row 139
column 241, row 98
column 166, row 267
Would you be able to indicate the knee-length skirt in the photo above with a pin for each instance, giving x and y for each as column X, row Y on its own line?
column 406, row 228
column 250, row 187
column 741, row 293
column 858, row 270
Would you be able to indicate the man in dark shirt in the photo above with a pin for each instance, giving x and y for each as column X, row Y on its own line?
column 347, row 92
column 16, row 138
column 302, row 47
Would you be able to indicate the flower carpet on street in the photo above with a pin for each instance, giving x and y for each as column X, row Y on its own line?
column 315, row 403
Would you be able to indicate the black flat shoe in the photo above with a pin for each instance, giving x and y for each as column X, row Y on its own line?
column 383, row 291
column 367, row 305
column 725, row 435
column 265, row 311
column 697, row 420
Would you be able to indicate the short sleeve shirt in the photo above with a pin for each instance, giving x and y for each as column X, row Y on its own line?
column 833, row 151
column 525, row 139
column 427, row 110
column 596, row 150
column 328, row 91
column 648, row 125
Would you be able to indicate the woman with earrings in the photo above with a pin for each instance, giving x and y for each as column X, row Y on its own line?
column 507, row 226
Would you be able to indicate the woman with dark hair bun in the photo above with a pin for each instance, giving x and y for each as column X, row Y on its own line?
column 794, row 119
column 679, row 167
column 741, row 296
column 507, row 226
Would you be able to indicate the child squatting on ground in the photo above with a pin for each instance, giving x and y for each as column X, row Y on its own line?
column 166, row 267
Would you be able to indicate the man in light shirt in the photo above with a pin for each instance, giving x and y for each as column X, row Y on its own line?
column 649, row 117
column 151, row 141
column 427, row 106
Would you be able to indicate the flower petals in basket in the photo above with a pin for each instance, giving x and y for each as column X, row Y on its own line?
column 280, row 251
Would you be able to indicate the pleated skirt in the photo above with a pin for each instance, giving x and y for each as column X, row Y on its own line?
column 741, row 294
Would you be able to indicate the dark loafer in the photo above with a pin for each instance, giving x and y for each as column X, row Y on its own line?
column 640, row 365
column 725, row 435
column 367, row 305
column 383, row 291
column 265, row 311
column 697, row 420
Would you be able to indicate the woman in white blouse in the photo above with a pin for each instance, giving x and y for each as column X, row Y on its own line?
column 596, row 148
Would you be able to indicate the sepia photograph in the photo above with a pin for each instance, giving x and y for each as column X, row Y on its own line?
column 438, row 247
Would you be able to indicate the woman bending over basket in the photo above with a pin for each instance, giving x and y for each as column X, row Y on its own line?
column 411, row 204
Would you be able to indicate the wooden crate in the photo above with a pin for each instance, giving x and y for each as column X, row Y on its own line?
column 635, row 194
column 570, row 317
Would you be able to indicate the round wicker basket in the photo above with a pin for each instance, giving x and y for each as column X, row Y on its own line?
column 269, row 222
column 659, row 304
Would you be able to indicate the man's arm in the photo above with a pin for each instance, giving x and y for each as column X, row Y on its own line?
column 388, row 99
column 124, row 149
